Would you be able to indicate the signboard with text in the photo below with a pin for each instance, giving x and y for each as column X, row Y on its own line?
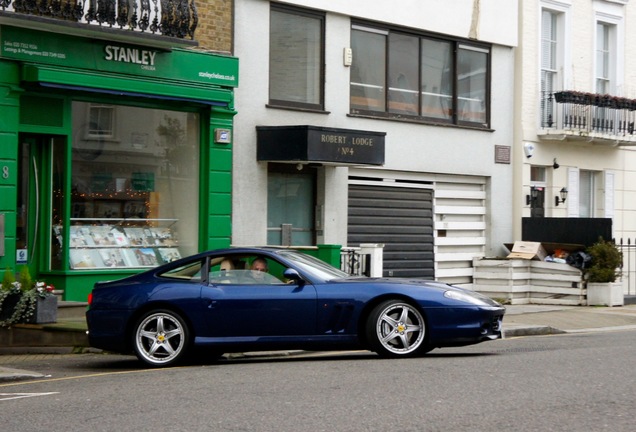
column 76, row 52
column 320, row 144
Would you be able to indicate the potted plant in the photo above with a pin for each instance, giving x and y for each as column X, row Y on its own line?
column 10, row 295
column 25, row 301
column 602, row 274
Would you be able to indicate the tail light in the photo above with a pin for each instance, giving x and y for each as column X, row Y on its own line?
column 90, row 298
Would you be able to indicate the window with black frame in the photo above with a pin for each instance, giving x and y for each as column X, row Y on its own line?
column 397, row 74
column 296, row 58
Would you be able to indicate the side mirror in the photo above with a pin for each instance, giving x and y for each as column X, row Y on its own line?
column 293, row 275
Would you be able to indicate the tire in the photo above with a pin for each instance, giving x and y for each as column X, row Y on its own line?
column 161, row 338
column 396, row 329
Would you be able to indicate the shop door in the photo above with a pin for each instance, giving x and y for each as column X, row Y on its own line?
column 33, row 199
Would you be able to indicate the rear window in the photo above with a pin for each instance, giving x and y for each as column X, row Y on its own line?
column 190, row 271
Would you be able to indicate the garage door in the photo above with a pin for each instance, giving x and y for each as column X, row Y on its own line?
column 401, row 219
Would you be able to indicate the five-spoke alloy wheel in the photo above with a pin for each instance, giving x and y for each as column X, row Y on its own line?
column 161, row 338
column 396, row 329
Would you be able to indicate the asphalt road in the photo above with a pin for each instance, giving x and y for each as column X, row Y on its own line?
column 573, row 382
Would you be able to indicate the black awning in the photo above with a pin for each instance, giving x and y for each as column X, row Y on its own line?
column 314, row 144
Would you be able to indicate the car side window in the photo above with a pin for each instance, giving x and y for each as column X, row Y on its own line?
column 244, row 270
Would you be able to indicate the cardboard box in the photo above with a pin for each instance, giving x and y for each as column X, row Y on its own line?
column 527, row 250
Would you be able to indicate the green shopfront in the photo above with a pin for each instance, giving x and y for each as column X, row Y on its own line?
column 114, row 158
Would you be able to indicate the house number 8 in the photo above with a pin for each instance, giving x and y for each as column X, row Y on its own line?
column 5, row 172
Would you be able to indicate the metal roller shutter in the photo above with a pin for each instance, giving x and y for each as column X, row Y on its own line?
column 401, row 219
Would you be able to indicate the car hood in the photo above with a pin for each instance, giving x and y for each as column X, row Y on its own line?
column 428, row 284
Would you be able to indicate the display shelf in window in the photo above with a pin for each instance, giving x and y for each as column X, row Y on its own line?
column 100, row 243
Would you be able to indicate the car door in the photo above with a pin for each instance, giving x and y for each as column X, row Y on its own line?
column 236, row 308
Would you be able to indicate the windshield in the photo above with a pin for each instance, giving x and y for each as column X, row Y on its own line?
column 313, row 267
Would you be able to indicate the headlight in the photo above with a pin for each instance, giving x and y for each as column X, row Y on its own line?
column 466, row 297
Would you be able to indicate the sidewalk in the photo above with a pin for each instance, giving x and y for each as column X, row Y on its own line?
column 68, row 335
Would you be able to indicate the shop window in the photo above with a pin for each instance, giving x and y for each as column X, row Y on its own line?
column 296, row 58
column 428, row 79
column 134, row 201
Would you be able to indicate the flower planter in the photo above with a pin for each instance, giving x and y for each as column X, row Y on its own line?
column 45, row 310
column 7, row 307
column 605, row 294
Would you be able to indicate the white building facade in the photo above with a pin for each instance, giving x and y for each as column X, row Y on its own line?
column 375, row 122
column 575, row 113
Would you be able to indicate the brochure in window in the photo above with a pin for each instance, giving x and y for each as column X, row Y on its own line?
column 163, row 236
column 169, row 254
column 146, row 257
column 84, row 259
column 136, row 236
column 119, row 237
column 77, row 239
column 112, row 258
column 102, row 235
column 129, row 257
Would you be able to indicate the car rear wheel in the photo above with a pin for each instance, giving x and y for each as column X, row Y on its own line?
column 396, row 329
column 161, row 338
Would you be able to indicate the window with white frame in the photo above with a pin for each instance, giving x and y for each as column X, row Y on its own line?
column 296, row 58
column 549, row 46
column 550, row 60
column 101, row 121
column 605, row 58
column 400, row 74
column 586, row 193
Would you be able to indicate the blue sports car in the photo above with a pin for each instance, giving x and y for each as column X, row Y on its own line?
column 247, row 299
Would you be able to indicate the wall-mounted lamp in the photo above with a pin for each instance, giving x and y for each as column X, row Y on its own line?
column 555, row 164
column 564, row 194
column 534, row 193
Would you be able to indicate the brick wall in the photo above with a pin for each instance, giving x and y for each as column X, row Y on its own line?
column 216, row 24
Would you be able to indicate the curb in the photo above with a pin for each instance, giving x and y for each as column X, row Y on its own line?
column 9, row 374
column 531, row 331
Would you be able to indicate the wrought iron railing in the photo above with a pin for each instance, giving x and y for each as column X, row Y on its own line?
column 587, row 113
column 628, row 269
column 173, row 18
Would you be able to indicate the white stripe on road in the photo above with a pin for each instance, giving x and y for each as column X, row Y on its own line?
column 11, row 396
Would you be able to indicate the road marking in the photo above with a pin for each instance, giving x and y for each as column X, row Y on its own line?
column 12, row 396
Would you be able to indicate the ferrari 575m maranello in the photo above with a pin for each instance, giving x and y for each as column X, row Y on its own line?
column 254, row 299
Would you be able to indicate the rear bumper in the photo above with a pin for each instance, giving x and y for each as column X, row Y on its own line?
column 107, row 330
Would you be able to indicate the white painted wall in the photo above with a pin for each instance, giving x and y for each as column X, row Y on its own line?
column 578, row 75
column 487, row 20
column 410, row 148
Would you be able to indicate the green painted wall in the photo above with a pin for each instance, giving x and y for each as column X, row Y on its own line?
column 218, row 231
column 190, row 75
column 9, row 114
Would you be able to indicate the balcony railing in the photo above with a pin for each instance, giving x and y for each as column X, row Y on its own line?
column 589, row 116
column 172, row 18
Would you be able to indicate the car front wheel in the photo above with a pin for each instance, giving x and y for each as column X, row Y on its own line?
column 161, row 338
column 396, row 329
